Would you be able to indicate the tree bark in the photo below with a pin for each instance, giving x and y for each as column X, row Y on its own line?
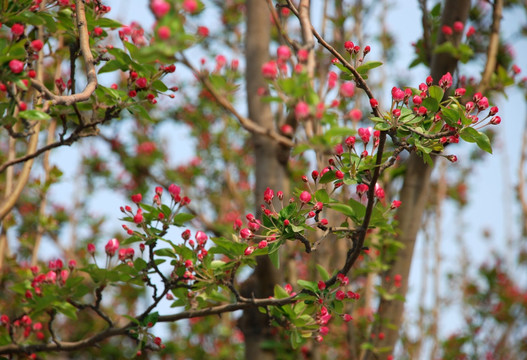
column 270, row 165
column 414, row 195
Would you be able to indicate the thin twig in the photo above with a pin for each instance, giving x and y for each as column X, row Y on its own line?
column 246, row 123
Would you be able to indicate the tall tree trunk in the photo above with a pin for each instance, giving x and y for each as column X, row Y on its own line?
column 270, row 164
column 414, row 195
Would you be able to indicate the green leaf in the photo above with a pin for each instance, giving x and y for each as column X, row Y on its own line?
column 436, row 93
column 481, row 139
column 275, row 258
column 181, row 218
column 364, row 68
column 34, row 115
column 383, row 126
column 113, row 65
column 289, row 210
column 165, row 252
column 67, row 309
column 159, row 86
column 280, row 293
column 322, row 196
column 310, row 285
column 342, row 67
column 107, row 23
column 343, row 208
column 431, row 104
column 323, row 272
column 450, row 116
column 327, row 177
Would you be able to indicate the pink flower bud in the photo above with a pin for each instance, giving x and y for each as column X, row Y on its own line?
column 269, row 70
column 246, row 233
column 16, row 66
column 395, row 204
column 321, row 285
column 447, row 30
column 301, row 110
column 460, row 92
column 496, row 120
column 283, row 52
column 417, row 100
column 458, row 27
column 141, row 83
column 374, row 103
column 17, row 29
column 137, row 198
column 493, row 111
column 91, row 248
column 396, row 113
column 397, row 94
column 111, row 247
column 201, row 238
column 262, row 244
column 471, row 31
column 339, row 174
column 159, row 8
column 347, row 89
column 249, row 251
column 305, row 197
column 349, row 46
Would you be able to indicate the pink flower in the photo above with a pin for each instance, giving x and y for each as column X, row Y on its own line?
column 269, row 70
column 248, row 251
column 379, row 192
column 17, row 29
column 361, row 189
column 305, row 197
column 446, row 81
column 111, row 247
column 458, row 27
column 72, row 264
column 302, row 55
column 339, row 150
column 355, row 114
column 496, row 120
column 174, row 190
column 395, row 204
column 16, row 66
column 203, row 31
column 190, row 6
column 364, row 134
column 332, row 79
column 447, row 30
column 138, row 217
column 91, row 249
column 37, row 45
column 483, row 103
column 163, row 32
column 137, row 198
column 246, row 233
column 201, row 238
column 460, row 92
column 397, row 94
column 350, row 141
column 160, row 8
column 283, row 52
column 321, row 285
column 141, row 83
column 493, row 110
column 347, row 89
column 301, row 110
column 268, row 195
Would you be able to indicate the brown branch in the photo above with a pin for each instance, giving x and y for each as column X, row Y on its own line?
column 91, row 75
column 76, row 135
column 64, row 346
column 492, row 50
column 246, row 123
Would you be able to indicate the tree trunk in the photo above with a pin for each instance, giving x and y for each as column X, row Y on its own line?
column 270, row 162
column 414, row 195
